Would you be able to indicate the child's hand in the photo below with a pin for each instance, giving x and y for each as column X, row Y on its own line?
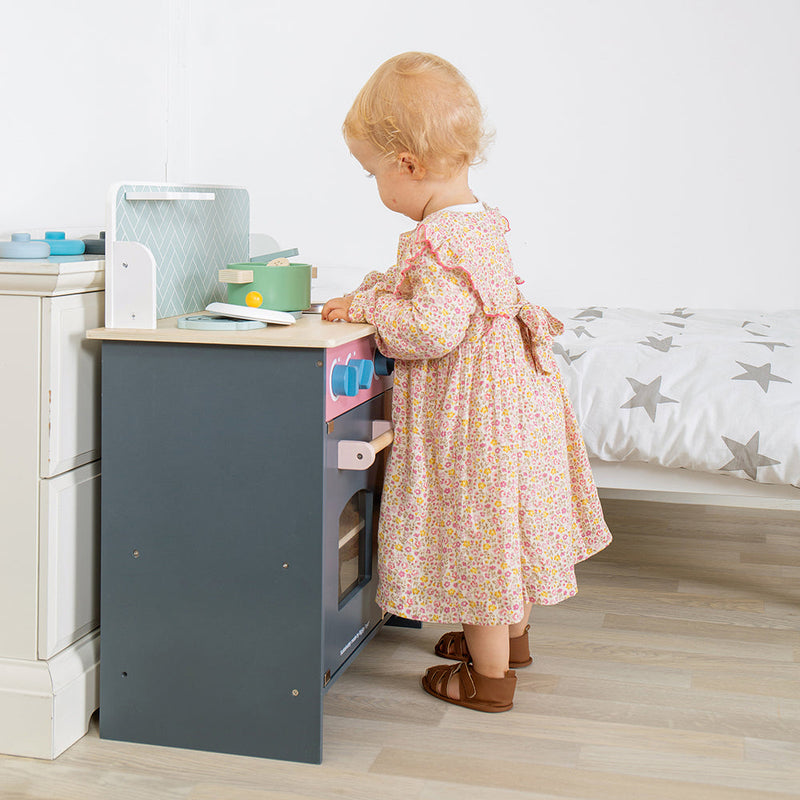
column 337, row 308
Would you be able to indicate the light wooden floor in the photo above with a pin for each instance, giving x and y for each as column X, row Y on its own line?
column 673, row 675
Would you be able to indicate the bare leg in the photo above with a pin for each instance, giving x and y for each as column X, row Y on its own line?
column 488, row 645
column 518, row 628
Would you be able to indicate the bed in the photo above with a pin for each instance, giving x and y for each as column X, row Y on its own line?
column 687, row 405
column 682, row 405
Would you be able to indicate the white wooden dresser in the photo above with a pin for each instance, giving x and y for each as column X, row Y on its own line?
column 49, row 501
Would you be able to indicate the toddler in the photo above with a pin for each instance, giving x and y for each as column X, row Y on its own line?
column 488, row 500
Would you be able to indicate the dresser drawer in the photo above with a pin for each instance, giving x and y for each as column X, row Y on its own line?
column 69, row 558
column 70, row 389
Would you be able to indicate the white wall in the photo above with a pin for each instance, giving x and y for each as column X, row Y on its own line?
column 84, row 103
column 646, row 150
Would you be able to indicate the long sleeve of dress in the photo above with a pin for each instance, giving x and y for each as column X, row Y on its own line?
column 426, row 317
column 385, row 281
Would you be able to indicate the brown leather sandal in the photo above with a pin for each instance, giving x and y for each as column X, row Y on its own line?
column 475, row 691
column 453, row 645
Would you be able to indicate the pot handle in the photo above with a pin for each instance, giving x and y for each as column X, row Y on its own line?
column 235, row 276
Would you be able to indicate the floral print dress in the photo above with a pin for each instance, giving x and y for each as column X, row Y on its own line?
column 488, row 499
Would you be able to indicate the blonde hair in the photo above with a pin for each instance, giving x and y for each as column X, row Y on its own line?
column 421, row 104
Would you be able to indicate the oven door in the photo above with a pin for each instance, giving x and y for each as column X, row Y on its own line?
column 351, row 507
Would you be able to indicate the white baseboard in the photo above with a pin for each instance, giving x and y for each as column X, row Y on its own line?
column 45, row 706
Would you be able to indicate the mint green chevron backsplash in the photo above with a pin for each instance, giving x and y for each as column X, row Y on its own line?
column 190, row 240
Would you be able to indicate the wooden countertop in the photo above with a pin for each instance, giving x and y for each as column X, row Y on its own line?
column 309, row 331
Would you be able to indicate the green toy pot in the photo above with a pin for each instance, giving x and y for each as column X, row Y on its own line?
column 281, row 288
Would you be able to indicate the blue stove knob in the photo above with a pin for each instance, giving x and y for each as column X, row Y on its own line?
column 383, row 366
column 365, row 371
column 344, row 380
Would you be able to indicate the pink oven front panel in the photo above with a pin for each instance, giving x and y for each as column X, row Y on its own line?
column 360, row 348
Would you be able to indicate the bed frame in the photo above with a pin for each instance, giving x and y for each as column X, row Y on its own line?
column 627, row 480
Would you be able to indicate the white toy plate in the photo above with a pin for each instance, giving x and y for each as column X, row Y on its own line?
column 245, row 312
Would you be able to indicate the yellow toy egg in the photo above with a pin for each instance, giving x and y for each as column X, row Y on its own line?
column 254, row 299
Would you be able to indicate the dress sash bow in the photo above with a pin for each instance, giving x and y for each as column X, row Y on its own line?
column 538, row 327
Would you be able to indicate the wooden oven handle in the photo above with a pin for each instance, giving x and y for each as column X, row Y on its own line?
column 354, row 454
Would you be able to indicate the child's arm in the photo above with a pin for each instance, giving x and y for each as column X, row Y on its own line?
column 426, row 318
column 383, row 280
column 337, row 307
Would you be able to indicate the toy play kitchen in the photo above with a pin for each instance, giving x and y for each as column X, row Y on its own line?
column 242, row 473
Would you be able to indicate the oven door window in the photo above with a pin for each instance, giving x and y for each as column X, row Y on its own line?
column 355, row 545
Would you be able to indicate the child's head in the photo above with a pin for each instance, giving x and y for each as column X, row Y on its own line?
column 420, row 104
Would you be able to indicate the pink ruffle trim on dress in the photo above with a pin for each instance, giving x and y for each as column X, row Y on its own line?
column 423, row 241
column 537, row 325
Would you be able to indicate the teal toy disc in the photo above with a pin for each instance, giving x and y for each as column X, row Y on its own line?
column 207, row 322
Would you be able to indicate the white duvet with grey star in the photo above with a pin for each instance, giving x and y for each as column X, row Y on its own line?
column 706, row 390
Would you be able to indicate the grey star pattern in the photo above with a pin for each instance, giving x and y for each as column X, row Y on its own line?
column 756, row 333
column 771, row 345
column 647, row 396
column 676, row 324
column 754, row 322
column 663, row 345
column 679, row 312
column 590, row 314
column 746, row 457
column 761, row 375
column 559, row 350
column 581, row 331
